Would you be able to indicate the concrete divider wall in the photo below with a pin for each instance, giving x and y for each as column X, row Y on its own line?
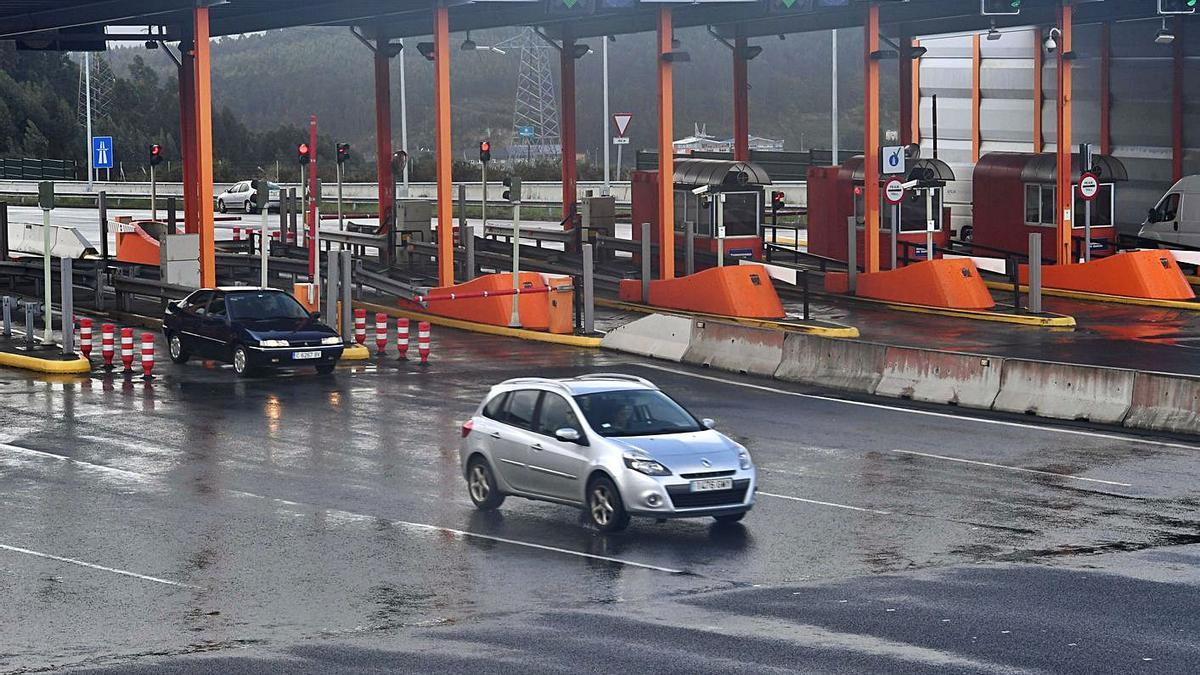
column 740, row 349
column 841, row 364
column 659, row 336
column 1165, row 403
column 1065, row 391
column 940, row 377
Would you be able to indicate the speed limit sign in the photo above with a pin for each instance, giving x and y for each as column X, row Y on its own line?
column 893, row 191
column 1089, row 186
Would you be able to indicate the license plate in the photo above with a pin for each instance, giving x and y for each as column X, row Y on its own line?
column 301, row 356
column 710, row 484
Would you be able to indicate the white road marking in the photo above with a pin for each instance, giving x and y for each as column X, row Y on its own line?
column 81, row 563
column 141, row 477
column 1010, row 468
column 820, row 503
column 913, row 411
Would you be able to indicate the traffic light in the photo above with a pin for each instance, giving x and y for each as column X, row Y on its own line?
column 777, row 201
column 262, row 194
column 988, row 7
column 343, row 152
column 513, row 193
column 399, row 159
column 485, row 151
column 304, row 153
column 1178, row 6
column 155, row 155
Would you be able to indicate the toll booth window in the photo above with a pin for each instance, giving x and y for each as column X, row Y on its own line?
column 741, row 214
column 1102, row 208
column 690, row 207
column 913, row 216
column 1040, row 208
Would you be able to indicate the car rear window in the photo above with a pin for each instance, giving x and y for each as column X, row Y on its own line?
column 495, row 407
column 521, row 406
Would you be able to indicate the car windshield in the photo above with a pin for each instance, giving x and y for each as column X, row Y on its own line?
column 264, row 305
column 635, row 412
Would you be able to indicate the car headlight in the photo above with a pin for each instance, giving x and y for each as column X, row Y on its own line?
column 744, row 459
column 646, row 466
column 272, row 343
column 331, row 340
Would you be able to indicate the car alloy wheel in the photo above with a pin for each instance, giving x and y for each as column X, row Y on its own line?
column 178, row 353
column 241, row 365
column 246, row 207
column 481, row 485
column 605, row 508
column 221, row 205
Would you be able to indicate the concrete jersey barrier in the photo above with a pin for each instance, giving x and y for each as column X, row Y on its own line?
column 659, row 336
column 940, row 377
column 1165, row 402
column 739, row 349
column 841, row 364
column 1065, row 391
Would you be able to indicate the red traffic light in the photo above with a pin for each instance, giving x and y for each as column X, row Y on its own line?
column 485, row 151
column 155, row 154
column 155, row 150
column 303, row 151
column 777, row 200
column 343, row 152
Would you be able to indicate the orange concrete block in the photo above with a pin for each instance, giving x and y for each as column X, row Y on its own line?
column 1148, row 274
column 137, row 246
column 534, row 309
column 953, row 284
column 837, row 282
column 744, row 291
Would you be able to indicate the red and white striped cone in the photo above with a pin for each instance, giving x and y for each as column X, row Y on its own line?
column 147, row 355
column 402, row 338
column 237, row 234
column 381, row 335
column 423, row 341
column 275, row 235
column 360, row 326
column 108, row 344
column 127, row 350
column 85, row 338
column 291, row 237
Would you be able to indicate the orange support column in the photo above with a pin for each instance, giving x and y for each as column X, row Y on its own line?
column 570, row 171
column 976, row 98
column 1063, row 195
column 741, row 101
column 383, row 129
column 871, row 197
column 1105, row 89
column 1177, row 104
column 1038, row 97
column 203, row 147
column 187, row 133
column 445, row 160
column 907, row 102
column 666, row 149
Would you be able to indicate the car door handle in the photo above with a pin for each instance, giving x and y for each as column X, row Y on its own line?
column 536, row 446
column 495, row 434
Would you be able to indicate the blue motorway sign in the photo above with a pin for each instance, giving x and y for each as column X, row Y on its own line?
column 102, row 152
column 525, row 132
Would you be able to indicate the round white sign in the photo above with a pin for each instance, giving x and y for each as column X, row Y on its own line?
column 1089, row 186
column 893, row 191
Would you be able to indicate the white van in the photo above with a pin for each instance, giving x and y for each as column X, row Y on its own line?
column 1176, row 217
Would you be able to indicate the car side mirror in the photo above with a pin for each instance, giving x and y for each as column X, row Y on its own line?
column 316, row 316
column 1152, row 216
column 174, row 305
column 709, row 423
column 567, row 435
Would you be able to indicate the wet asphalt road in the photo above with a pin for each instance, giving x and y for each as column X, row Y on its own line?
column 308, row 524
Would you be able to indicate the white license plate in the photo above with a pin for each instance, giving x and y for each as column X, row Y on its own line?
column 301, row 356
column 710, row 484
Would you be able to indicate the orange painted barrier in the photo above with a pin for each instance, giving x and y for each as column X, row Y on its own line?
column 951, row 284
column 495, row 310
column 743, row 291
column 1150, row 274
column 137, row 246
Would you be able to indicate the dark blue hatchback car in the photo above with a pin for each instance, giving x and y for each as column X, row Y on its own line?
column 251, row 328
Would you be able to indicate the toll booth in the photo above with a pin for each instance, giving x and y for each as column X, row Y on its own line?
column 713, row 194
column 1015, row 195
column 835, row 193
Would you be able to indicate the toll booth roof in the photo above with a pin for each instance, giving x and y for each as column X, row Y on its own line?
column 700, row 172
column 924, row 170
column 1042, row 168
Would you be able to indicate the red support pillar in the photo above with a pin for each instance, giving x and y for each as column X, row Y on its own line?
column 313, row 255
column 570, row 171
column 445, row 158
column 383, row 130
column 1105, row 89
column 1064, row 194
column 666, row 148
column 741, row 101
column 976, row 98
column 187, row 133
column 870, row 254
column 1177, row 103
column 907, row 102
column 1039, row 100
column 203, row 146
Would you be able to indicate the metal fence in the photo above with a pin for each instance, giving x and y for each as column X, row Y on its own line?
column 27, row 168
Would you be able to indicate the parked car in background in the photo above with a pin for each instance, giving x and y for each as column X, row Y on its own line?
column 240, row 197
column 251, row 328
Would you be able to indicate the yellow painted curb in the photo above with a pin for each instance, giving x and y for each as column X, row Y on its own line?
column 1055, row 321
column 1193, row 280
column 488, row 329
column 1104, row 297
column 73, row 366
column 356, row 353
column 789, row 326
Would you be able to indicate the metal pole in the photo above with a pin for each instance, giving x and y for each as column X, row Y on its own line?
column 172, row 219
column 619, row 147
column 646, row 254
column 469, row 245
column 3, row 231
column 264, row 245
column 403, row 116
column 153, row 195
column 87, row 87
column 8, row 303
column 103, row 202
column 462, row 212
column 852, row 252
column 804, row 287
column 30, row 308
column 293, row 209
column 67, row 283
column 689, row 241
column 346, row 266
column 929, row 223
column 606, row 140
column 515, row 320
column 332, row 278
column 483, row 202
column 834, row 96
column 1035, row 273
column 341, row 219
column 47, row 290
column 721, row 230
column 895, row 232
column 589, row 291
column 1087, row 230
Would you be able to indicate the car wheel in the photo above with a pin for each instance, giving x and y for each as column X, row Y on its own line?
column 221, row 206
column 605, row 509
column 241, row 362
column 481, row 485
column 730, row 519
column 178, row 353
column 248, row 207
column 325, row 368
column 968, row 233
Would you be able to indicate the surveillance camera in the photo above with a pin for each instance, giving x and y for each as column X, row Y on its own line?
column 1052, row 41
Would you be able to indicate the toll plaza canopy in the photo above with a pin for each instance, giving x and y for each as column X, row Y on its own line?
column 76, row 24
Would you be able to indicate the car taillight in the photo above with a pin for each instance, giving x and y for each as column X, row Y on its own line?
column 467, row 427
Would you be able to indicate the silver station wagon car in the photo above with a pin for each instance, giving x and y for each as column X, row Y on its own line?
column 614, row 445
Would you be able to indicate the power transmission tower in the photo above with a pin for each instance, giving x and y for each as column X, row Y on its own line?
column 103, row 80
column 535, row 111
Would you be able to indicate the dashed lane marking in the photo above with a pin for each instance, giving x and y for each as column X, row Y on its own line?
column 102, row 568
column 1010, row 468
column 821, row 503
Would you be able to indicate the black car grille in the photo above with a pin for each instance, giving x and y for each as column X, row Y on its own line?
column 304, row 343
column 708, row 474
column 683, row 499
